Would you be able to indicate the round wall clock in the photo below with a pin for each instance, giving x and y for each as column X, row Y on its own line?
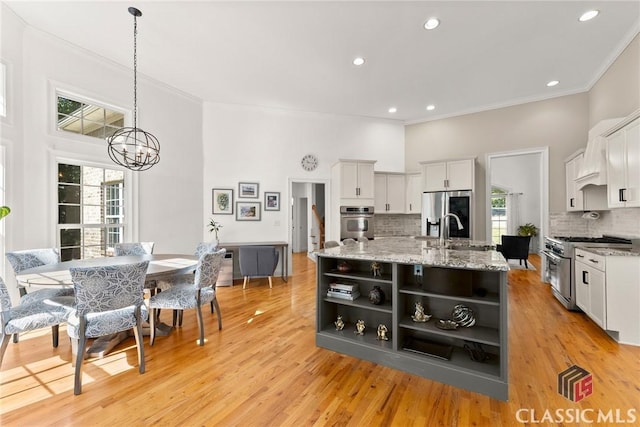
column 309, row 162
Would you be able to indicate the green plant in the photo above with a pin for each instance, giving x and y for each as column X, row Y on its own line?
column 528, row 229
column 4, row 211
column 214, row 227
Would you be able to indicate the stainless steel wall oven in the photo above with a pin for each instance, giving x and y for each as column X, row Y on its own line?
column 356, row 221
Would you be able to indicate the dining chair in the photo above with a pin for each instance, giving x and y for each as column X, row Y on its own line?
column 31, row 258
column 31, row 316
column 141, row 248
column 109, row 300
column 347, row 242
column 257, row 261
column 192, row 295
column 331, row 244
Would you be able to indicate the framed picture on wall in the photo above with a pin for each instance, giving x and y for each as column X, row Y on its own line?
column 248, row 211
column 222, row 200
column 248, row 190
column 271, row 200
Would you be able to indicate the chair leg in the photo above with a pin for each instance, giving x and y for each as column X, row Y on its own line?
column 180, row 317
column 212, row 310
column 246, row 279
column 175, row 317
column 54, row 334
column 137, row 333
column 77, row 388
column 15, row 338
column 526, row 264
column 218, row 314
column 152, row 326
column 270, row 283
column 3, row 345
column 200, row 324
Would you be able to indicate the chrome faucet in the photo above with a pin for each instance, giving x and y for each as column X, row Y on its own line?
column 445, row 227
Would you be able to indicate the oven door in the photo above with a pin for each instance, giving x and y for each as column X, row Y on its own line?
column 558, row 273
column 354, row 226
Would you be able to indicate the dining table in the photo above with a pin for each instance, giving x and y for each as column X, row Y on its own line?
column 162, row 267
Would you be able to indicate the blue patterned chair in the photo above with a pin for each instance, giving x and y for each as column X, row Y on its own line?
column 30, row 258
column 257, row 261
column 31, row 316
column 108, row 300
column 142, row 248
column 192, row 295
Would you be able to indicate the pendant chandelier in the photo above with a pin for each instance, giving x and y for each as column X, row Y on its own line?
column 132, row 147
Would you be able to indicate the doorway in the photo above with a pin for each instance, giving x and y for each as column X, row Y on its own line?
column 523, row 177
column 309, row 204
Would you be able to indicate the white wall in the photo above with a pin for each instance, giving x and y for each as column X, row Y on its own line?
column 266, row 145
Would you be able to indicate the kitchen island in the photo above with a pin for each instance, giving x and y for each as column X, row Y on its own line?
column 409, row 278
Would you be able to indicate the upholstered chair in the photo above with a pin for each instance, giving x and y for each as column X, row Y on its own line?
column 30, row 316
column 331, row 244
column 192, row 295
column 515, row 247
column 257, row 261
column 142, row 248
column 109, row 300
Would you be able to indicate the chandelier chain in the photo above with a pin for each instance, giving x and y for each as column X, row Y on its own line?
column 135, row 71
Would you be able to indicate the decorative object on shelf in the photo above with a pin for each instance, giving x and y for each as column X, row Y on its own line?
column 309, row 162
column 359, row 327
column 527, row 229
column 376, row 296
column 248, row 190
column 214, row 227
column 419, row 315
column 463, row 316
column 271, row 200
column 446, row 324
column 339, row 324
column 248, row 211
column 476, row 352
column 222, row 200
column 344, row 267
column 382, row 333
column 132, row 147
column 376, row 269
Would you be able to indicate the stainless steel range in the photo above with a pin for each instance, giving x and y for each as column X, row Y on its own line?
column 559, row 260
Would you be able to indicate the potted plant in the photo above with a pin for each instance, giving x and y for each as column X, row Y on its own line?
column 528, row 229
column 4, row 211
column 214, row 227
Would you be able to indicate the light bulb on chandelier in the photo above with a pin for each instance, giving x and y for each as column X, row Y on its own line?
column 132, row 147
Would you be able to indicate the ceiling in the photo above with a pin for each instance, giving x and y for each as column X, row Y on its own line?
column 297, row 55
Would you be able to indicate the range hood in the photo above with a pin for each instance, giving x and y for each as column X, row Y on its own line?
column 594, row 162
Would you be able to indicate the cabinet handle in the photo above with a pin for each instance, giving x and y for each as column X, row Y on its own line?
column 585, row 277
column 621, row 195
column 446, row 183
column 571, row 203
column 595, row 261
column 357, row 191
column 580, row 256
column 410, row 207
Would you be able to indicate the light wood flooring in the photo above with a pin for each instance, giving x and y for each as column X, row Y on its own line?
column 263, row 369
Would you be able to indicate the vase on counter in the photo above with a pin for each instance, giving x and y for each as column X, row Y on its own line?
column 376, row 295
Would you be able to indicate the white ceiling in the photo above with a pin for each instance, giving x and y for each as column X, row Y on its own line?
column 298, row 55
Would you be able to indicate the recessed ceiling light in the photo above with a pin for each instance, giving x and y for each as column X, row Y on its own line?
column 358, row 61
column 431, row 23
column 431, row 107
column 553, row 83
column 393, row 109
column 588, row 15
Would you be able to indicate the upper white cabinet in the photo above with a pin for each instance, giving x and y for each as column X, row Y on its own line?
column 623, row 165
column 449, row 175
column 389, row 192
column 356, row 179
column 572, row 167
column 413, row 203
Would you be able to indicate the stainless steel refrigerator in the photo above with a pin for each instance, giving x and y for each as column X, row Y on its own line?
column 435, row 205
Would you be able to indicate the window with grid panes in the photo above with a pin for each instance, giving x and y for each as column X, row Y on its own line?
column 77, row 116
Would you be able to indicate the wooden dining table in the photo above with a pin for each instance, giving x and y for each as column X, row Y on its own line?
column 161, row 267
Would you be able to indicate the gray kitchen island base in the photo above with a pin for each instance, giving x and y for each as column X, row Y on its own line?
column 420, row 348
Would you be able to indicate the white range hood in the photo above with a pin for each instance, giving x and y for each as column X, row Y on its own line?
column 594, row 163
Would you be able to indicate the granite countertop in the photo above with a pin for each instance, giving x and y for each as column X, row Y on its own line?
column 407, row 250
column 613, row 251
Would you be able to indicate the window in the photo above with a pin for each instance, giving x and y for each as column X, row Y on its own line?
column 91, row 212
column 86, row 119
column 498, row 214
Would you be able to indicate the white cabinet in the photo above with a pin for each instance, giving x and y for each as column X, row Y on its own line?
column 449, row 175
column 413, row 197
column 356, row 179
column 590, row 286
column 623, row 166
column 389, row 192
column 574, row 196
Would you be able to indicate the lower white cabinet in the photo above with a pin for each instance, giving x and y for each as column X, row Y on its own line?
column 590, row 286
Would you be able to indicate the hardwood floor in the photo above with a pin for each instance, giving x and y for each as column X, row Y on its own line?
column 263, row 368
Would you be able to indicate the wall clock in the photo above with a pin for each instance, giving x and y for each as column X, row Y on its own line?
column 309, row 162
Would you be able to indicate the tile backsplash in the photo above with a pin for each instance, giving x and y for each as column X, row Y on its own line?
column 396, row 225
column 617, row 222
